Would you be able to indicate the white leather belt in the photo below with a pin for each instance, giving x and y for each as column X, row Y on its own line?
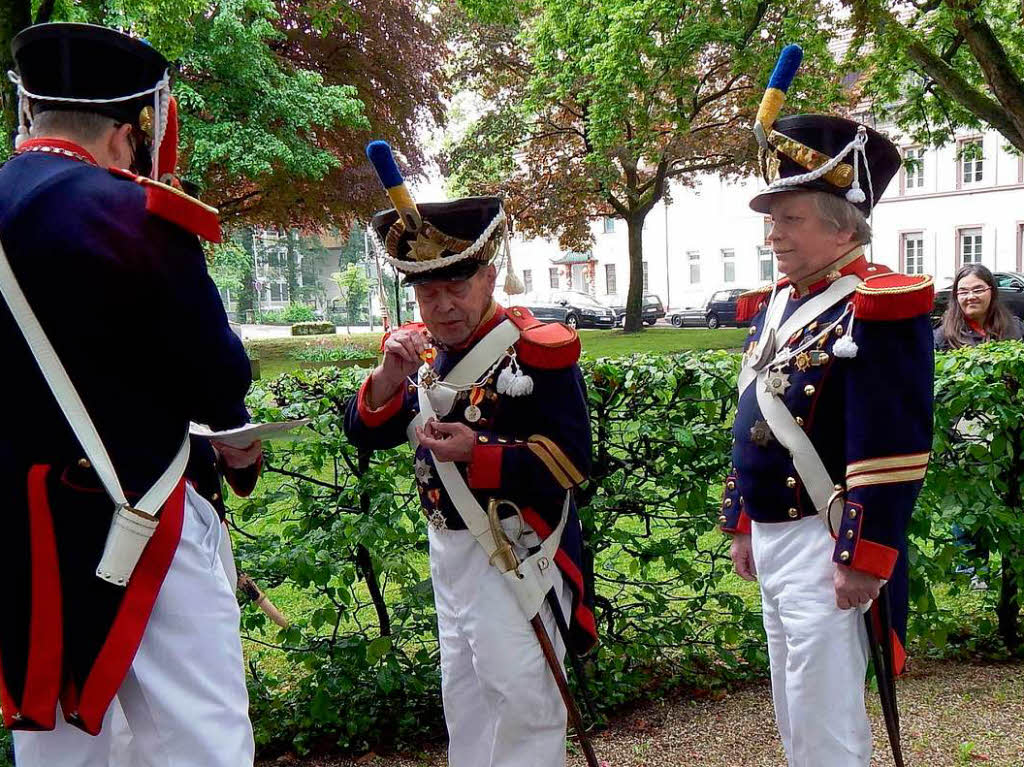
column 132, row 526
column 826, row 496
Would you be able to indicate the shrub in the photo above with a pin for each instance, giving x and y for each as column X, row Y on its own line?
column 322, row 351
column 290, row 315
column 312, row 328
column 339, row 536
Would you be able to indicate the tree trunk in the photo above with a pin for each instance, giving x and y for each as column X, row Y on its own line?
column 15, row 15
column 1009, row 607
column 247, row 298
column 365, row 563
column 635, row 297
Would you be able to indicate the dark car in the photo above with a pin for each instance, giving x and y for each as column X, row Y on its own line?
column 721, row 308
column 653, row 310
column 575, row 309
column 1011, row 293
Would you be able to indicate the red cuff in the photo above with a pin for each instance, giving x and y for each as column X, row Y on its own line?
column 742, row 525
column 383, row 414
column 484, row 471
column 874, row 559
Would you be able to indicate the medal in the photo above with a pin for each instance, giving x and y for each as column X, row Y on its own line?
column 760, row 434
column 802, row 361
column 428, row 355
column 423, row 474
column 476, row 396
column 776, row 383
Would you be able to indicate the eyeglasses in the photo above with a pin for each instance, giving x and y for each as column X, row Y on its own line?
column 972, row 293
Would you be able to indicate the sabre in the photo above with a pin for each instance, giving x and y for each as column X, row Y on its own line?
column 881, row 659
column 248, row 587
column 505, row 559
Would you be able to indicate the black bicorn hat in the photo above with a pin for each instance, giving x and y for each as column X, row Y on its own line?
column 802, row 147
column 456, row 239
column 89, row 68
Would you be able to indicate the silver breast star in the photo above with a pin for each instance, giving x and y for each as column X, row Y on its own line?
column 436, row 520
column 423, row 473
column 776, row 383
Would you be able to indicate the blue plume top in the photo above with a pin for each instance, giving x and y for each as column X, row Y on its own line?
column 785, row 67
column 379, row 153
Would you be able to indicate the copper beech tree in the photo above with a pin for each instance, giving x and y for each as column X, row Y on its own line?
column 595, row 107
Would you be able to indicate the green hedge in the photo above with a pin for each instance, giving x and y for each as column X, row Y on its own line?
column 341, row 536
column 313, row 328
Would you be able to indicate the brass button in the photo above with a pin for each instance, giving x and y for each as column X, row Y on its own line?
column 752, row 330
column 722, row 520
column 839, row 330
column 727, row 502
column 790, row 482
column 502, row 440
column 844, row 556
column 799, row 421
column 809, row 390
column 215, row 496
column 793, row 513
column 837, row 488
column 482, row 438
column 853, row 513
column 517, row 313
column 83, row 463
column 730, row 485
column 849, row 534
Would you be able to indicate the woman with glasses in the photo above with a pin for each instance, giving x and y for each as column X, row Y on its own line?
column 976, row 315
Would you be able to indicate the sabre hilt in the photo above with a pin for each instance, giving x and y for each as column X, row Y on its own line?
column 504, row 556
column 383, row 160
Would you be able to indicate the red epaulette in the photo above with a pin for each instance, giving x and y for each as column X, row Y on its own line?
column 894, row 296
column 174, row 205
column 387, row 334
column 548, row 346
column 753, row 301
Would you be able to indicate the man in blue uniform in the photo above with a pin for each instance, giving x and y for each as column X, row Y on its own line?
column 832, row 434
column 108, row 264
column 507, row 420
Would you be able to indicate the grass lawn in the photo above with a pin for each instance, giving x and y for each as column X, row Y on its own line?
column 275, row 353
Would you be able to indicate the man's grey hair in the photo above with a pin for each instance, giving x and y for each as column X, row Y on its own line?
column 842, row 216
column 80, row 126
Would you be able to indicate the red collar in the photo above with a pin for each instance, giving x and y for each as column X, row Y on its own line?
column 850, row 263
column 57, row 146
column 491, row 318
column 980, row 330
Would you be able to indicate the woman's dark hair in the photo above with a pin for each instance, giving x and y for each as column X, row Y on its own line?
column 997, row 319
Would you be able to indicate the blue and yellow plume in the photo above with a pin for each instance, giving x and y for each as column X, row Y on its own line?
column 383, row 161
column 775, row 94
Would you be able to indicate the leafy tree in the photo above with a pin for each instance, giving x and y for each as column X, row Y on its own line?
column 355, row 289
column 279, row 98
column 940, row 65
column 596, row 106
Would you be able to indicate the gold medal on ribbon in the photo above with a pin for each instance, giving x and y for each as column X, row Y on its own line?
column 473, row 413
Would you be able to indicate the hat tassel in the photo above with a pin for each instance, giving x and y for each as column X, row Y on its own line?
column 856, row 194
column 513, row 285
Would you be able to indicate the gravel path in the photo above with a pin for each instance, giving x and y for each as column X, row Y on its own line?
column 954, row 713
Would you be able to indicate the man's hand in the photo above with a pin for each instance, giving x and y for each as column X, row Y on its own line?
column 447, row 441
column 401, row 360
column 238, row 457
column 854, row 588
column 742, row 554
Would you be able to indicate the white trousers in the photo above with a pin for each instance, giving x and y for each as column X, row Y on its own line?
column 818, row 652
column 184, row 697
column 501, row 704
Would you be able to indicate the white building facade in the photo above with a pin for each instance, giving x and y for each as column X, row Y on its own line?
column 958, row 204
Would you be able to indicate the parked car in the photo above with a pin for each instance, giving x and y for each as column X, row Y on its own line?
column 691, row 316
column 575, row 309
column 721, row 308
column 653, row 310
column 1011, row 293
